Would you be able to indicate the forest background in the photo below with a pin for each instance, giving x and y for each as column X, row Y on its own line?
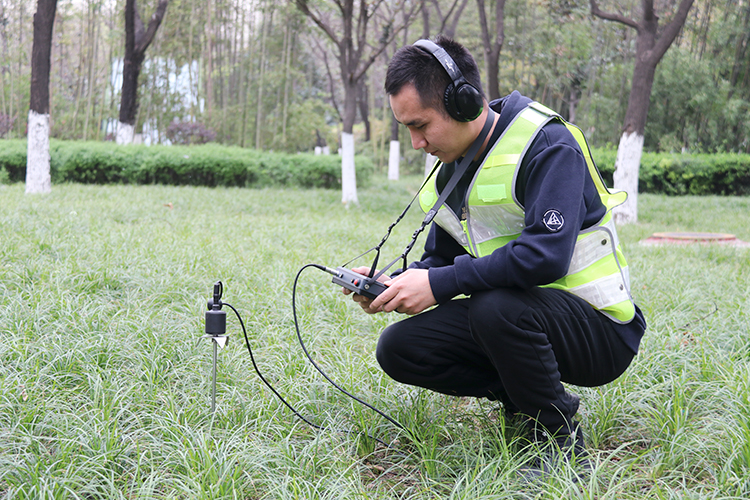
column 258, row 73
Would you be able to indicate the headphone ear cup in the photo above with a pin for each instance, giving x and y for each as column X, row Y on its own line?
column 469, row 102
column 464, row 103
column 449, row 99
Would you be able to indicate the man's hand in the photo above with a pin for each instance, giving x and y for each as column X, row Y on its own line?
column 407, row 293
column 363, row 301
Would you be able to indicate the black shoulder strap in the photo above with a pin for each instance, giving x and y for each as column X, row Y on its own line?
column 457, row 174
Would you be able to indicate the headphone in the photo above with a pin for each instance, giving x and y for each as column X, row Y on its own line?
column 462, row 100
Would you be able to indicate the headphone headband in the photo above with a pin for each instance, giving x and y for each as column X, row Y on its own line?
column 445, row 60
column 462, row 100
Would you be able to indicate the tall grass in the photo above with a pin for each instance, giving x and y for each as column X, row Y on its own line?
column 105, row 382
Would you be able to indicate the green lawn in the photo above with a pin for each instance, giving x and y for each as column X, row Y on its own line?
column 105, row 384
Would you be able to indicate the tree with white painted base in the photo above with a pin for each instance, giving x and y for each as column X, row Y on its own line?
column 137, row 40
column 348, row 29
column 429, row 163
column 394, row 153
column 37, row 157
column 652, row 43
column 394, row 158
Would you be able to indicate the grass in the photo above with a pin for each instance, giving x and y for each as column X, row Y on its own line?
column 105, row 383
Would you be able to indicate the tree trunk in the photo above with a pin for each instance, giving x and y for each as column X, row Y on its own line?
column 4, row 44
column 355, row 58
column 37, row 157
column 290, row 33
column 209, row 62
column 93, row 53
column 394, row 156
column 247, row 77
column 740, row 60
column 651, row 45
column 348, row 174
column 137, row 40
column 261, row 71
column 492, row 48
column 364, row 109
column 82, row 44
column 429, row 162
column 630, row 149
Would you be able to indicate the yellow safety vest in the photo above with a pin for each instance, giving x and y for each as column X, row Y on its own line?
column 598, row 272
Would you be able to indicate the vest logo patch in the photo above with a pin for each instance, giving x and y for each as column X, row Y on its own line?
column 553, row 220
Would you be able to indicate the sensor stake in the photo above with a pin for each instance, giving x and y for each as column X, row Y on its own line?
column 216, row 330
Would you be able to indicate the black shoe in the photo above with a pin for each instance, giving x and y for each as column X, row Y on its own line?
column 576, row 403
column 556, row 453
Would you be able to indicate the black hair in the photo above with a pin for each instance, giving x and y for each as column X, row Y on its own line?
column 413, row 65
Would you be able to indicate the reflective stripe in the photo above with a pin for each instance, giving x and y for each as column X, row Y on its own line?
column 427, row 198
column 606, row 291
column 446, row 219
column 594, row 245
column 503, row 159
column 493, row 221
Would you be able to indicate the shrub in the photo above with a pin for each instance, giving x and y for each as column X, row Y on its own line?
column 217, row 165
column 200, row 165
column 94, row 162
column 680, row 174
column 13, row 159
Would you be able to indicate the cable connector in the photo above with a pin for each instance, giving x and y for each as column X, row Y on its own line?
column 216, row 319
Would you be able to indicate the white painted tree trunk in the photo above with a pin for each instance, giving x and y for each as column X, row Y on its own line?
column 394, row 158
column 37, row 154
column 429, row 162
column 626, row 176
column 125, row 133
column 348, row 174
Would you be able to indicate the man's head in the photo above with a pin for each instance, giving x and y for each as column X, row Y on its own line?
column 416, row 84
column 419, row 66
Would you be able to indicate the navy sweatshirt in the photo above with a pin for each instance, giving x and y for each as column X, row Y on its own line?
column 553, row 176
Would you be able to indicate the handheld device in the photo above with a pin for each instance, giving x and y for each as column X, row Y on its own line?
column 357, row 283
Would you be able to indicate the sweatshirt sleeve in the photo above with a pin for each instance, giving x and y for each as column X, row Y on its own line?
column 559, row 199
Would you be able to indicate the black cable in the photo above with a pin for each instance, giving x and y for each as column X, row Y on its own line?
column 281, row 398
column 257, row 370
column 320, row 370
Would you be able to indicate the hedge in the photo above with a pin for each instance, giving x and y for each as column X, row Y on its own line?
column 681, row 174
column 198, row 165
column 216, row 165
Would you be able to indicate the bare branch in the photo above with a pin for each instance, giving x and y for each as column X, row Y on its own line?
column 483, row 24
column 305, row 9
column 153, row 25
column 384, row 42
column 362, row 21
column 450, row 31
column 672, row 29
column 335, row 105
column 608, row 16
column 448, row 14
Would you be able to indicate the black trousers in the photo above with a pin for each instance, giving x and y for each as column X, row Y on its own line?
column 518, row 346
